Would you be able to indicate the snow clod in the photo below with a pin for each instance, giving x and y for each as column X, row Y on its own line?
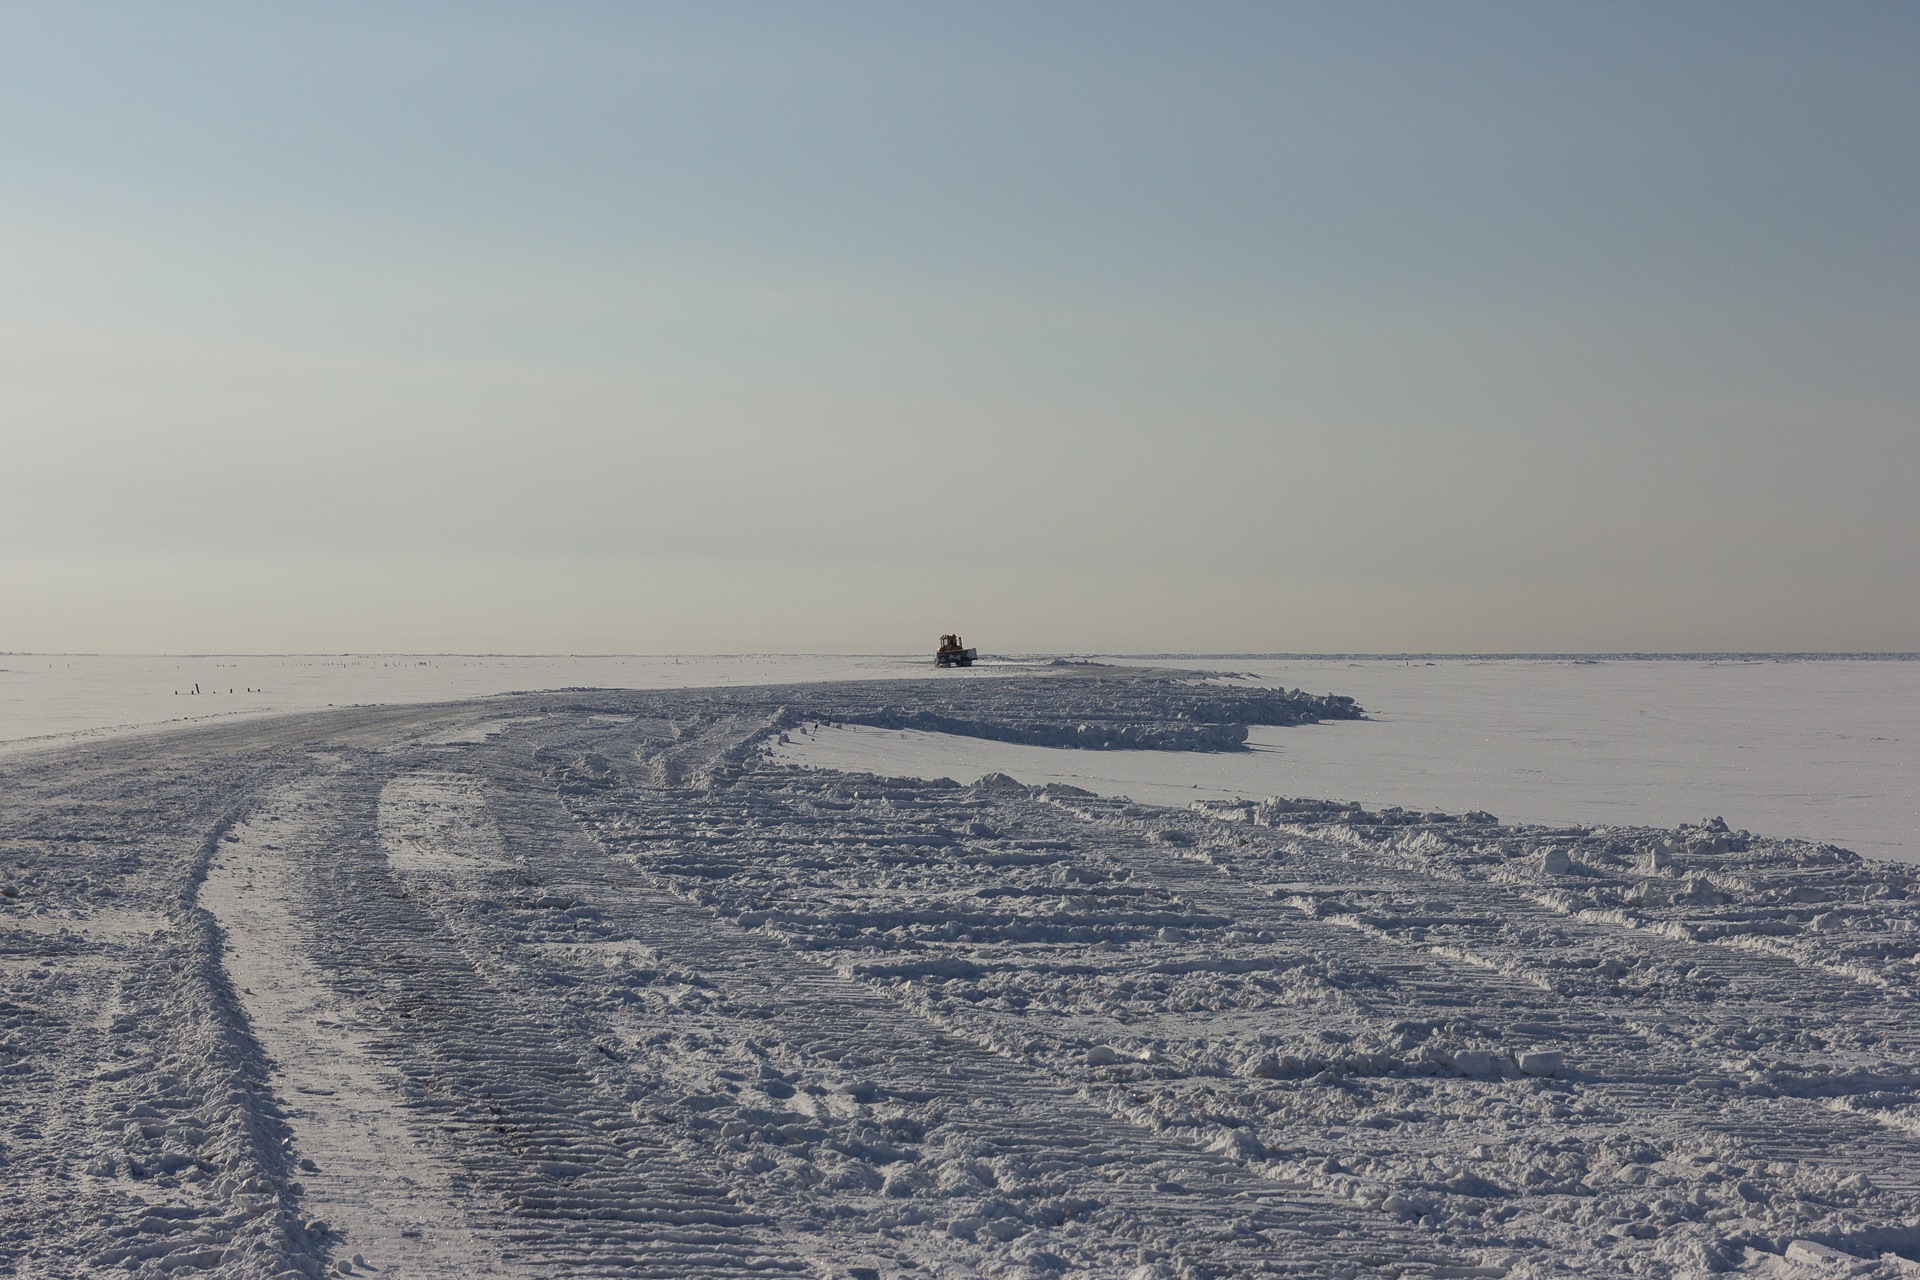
column 1474, row 1062
column 1539, row 1062
column 1814, row 1254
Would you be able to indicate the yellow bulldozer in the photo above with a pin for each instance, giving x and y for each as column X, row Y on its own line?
column 952, row 654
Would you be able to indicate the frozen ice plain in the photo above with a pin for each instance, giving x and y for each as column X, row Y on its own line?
column 589, row 983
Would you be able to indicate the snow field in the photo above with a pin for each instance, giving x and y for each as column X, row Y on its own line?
column 1818, row 749
column 1825, row 750
column 54, row 700
column 595, row 983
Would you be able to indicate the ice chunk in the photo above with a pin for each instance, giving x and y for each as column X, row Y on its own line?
column 1238, row 1142
column 1473, row 1062
column 1539, row 1062
column 1698, row 891
column 1555, row 862
column 1400, row 1206
column 1814, row 1254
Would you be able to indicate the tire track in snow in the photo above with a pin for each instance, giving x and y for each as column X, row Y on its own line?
column 567, row 1176
column 1168, row 1193
column 1634, row 1083
column 390, row 1200
column 1637, row 1047
column 135, row 1133
column 622, row 1080
column 1647, row 1059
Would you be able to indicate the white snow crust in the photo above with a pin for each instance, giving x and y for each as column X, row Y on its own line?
column 57, row 699
column 1820, row 749
column 594, row 982
column 1816, row 749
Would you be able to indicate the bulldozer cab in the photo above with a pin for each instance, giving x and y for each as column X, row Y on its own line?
column 952, row 654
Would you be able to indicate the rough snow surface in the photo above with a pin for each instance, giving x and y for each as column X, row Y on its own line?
column 592, row 983
column 1825, row 749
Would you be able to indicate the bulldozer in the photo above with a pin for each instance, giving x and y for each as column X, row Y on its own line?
column 952, row 654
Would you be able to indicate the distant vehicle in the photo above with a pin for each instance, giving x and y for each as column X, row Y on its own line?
column 951, row 654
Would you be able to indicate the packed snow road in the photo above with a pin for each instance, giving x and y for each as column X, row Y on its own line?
column 590, row 983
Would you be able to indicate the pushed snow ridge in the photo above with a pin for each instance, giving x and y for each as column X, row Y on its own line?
column 1140, row 715
column 590, row 983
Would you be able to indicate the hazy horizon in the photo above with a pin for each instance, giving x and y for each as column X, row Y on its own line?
column 1230, row 328
column 1697, row 655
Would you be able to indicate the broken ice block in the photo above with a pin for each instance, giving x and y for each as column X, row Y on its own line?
column 1814, row 1254
column 1473, row 1062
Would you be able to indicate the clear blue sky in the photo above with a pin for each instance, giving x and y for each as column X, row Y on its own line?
column 723, row 327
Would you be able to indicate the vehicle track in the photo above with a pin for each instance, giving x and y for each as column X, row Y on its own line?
column 574, row 984
column 984, row 1100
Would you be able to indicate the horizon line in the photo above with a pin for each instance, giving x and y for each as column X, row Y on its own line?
column 1624, row 655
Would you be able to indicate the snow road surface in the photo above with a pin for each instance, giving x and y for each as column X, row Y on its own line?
column 56, row 699
column 593, row 983
column 1822, row 749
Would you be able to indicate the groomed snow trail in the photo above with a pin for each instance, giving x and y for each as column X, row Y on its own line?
column 590, row 984
column 381, row 1192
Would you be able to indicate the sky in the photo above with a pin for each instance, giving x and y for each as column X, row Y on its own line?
column 1075, row 327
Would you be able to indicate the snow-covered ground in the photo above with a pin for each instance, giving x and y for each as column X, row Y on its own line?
column 1826, row 750
column 1819, row 750
column 52, row 699
column 594, row 983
